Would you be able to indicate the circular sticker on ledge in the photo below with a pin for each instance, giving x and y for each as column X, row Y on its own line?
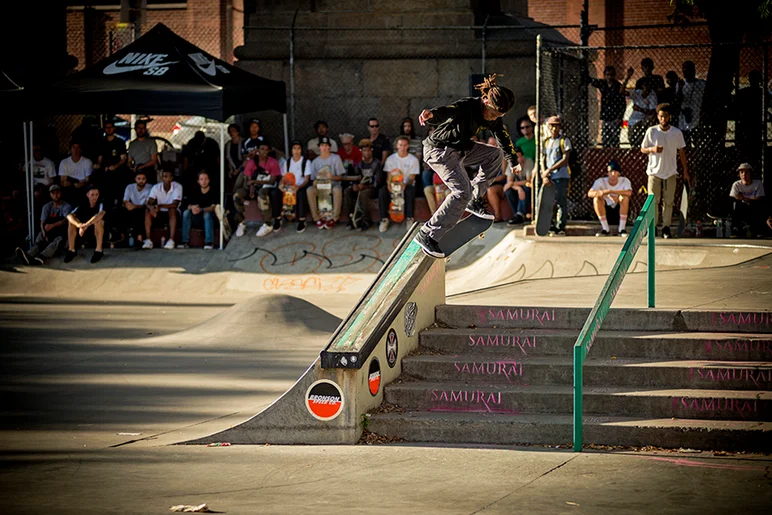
column 324, row 400
column 374, row 377
column 391, row 348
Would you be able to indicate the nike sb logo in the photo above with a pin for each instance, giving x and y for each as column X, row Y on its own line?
column 153, row 64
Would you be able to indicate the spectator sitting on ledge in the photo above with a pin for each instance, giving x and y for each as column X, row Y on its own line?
column 611, row 194
column 200, row 212
column 53, row 230
column 87, row 217
column 749, row 209
column 162, row 205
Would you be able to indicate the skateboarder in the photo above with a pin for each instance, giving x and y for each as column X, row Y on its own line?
column 450, row 148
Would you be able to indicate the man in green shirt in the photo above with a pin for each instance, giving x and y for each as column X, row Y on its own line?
column 527, row 143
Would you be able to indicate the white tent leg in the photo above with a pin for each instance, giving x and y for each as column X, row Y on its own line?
column 222, row 180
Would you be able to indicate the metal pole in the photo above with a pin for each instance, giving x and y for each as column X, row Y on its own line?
column 292, row 76
column 31, row 188
column 764, row 107
column 652, row 262
column 26, row 183
column 286, row 139
column 537, row 134
column 484, row 42
column 222, row 180
column 578, row 363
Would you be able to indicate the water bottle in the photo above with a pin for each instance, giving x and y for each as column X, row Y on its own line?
column 131, row 239
column 727, row 229
column 719, row 228
column 163, row 240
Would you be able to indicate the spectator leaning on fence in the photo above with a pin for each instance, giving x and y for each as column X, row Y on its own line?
column 556, row 152
column 750, row 209
column 690, row 96
column 86, row 218
column 53, row 230
column 132, row 213
column 662, row 143
column 162, row 208
column 612, row 106
column 611, row 196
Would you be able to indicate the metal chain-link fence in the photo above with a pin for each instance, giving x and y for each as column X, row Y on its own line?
column 719, row 97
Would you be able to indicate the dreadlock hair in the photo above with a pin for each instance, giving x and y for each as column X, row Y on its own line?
column 500, row 98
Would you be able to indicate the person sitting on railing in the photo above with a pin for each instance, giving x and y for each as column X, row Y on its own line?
column 749, row 208
column 611, row 196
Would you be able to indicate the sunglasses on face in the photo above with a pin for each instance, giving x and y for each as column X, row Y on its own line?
column 374, row 126
column 525, row 126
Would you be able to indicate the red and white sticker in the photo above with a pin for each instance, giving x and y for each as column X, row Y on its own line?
column 374, row 377
column 324, row 400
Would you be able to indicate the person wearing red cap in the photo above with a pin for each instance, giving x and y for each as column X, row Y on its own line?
column 450, row 149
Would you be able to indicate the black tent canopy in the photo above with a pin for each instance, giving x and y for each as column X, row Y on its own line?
column 161, row 73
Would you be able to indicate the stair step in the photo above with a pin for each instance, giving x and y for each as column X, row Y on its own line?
column 643, row 344
column 618, row 319
column 626, row 402
column 559, row 370
column 548, row 429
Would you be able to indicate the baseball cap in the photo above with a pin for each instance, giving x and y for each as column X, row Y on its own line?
column 296, row 142
column 53, row 187
column 614, row 165
column 324, row 140
column 254, row 120
column 365, row 143
column 745, row 166
column 553, row 120
column 346, row 136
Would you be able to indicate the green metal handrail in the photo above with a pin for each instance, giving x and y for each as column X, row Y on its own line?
column 643, row 224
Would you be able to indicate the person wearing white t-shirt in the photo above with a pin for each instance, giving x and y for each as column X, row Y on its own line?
column 43, row 172
column 410, row 167
column 328, row 162
column 132, row 213
column 662, row 143
column 749, row 209
column 611, row 195
column 300, row 166
column 74, row 173
column 162, row 205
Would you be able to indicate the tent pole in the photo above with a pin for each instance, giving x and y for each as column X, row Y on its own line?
column 222, row 180
column 286, row 139
column 31, row 188
column 26, row 183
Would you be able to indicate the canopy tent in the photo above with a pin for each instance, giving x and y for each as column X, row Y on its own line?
column 161, row 74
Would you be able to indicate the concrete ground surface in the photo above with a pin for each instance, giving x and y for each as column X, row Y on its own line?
column 164, row 346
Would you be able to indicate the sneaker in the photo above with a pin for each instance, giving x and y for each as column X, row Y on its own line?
column 478, row 207
column 384, row 226
column 96, row 256
column 148, row 244
column 264, row 230
column 559, row 233
column 409, row 222
column 365, row 225
column 241, row 229
column 183, row 245
column 516, row 220
column 329, row 224
column 429, row 246
column 22, row 256
column 603, row 232
column 277, row 225
column 301, row 226
column 37, row 261
column 350, row 226
column 666, row 232
column 70, row 256
column 319, row 224
column 170, row 245
column 623, row 233
column 208, row 246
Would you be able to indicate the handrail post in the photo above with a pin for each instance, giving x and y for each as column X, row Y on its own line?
column 578, row 362
column 652, row 261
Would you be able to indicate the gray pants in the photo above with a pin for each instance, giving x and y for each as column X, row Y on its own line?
column 449, row 165
column 50, row 247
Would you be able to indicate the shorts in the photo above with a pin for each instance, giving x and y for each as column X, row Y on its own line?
column 612, row 214
column 162, row 219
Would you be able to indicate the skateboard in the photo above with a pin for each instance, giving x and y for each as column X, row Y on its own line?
column 465, row 231
column 324, row 194
column 358, row 216
column 397, row 191
column 546, row 201
column 290, row 196
column 441, row 191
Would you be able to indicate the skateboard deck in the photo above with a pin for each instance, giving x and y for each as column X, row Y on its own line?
column 324, row 194
column 546, row 201
column 397, row 204
column 441, row 191
column 465, row 231
column 289, row 199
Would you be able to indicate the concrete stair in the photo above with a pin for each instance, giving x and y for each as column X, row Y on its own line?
column 498, row 375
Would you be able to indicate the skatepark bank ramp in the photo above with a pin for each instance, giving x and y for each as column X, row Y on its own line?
column 327, row 404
